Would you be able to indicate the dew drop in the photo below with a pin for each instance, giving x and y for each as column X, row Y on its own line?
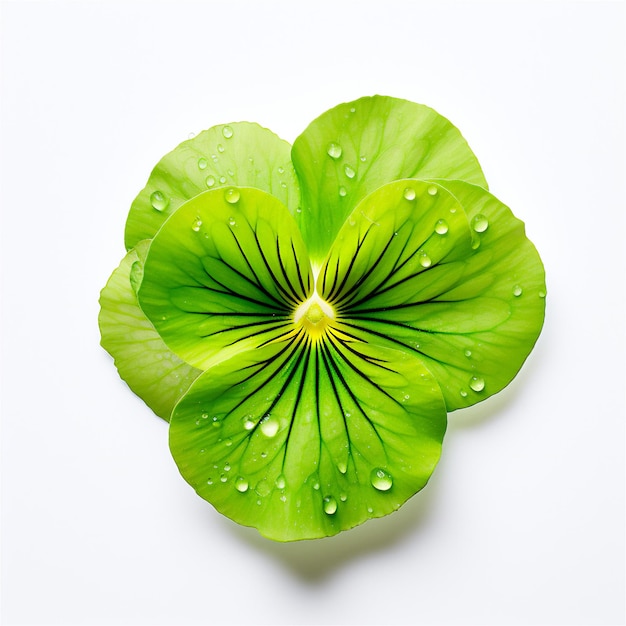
column 281, row 170
column 248, row 423
column 159, row 201
column 441, row 227
column 406, row 397
column 350, row 173
column 343, row 497
column 227, row 131
column 196, row 225
column 425, row 260
column 232, row 195
column 542, row 294
column 223, row 478
column 202, row 163
column 263, row 488
column 342, row 192
column 280, row 482
column 475, row 242
column 463, row 393
column 370, row 509
column 330, row 505
column 476, row 383
column 241, row 484
column 210, row 181
column 342, row 467
column 480, row 223
column 432, row 190
column 468, row 353
column 334, row 150
column 227, row 467
column 222, row 179
column 409, row 194
column 209, row 482
column 283, row 498
column 220, row 148
column 363, row 158
column 269, row 427
column 231, row 221
column 353, row 110
column 205, row 416
column 381, row 479
column 228, row 443
column 517, row 291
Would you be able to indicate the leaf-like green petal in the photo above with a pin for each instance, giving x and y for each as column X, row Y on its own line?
column 304, row 439
column 472, row 312
column 149, row 368
column 359, row 146
column 242, row 153
column 224, row 274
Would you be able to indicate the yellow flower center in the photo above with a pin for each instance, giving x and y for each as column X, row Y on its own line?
column 315, row 316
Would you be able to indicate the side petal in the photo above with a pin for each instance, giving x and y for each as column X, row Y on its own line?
column 356, row 147
column 304, row 439
column 224, row 274
column 147, row 365
column 457, row 282
column 241, row 153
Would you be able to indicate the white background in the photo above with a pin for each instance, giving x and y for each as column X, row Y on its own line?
column 523, row 521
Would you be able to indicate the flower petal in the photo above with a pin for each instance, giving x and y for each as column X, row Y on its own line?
column 462, row 287
column 304, row 439
column 149, row 368
column 224, row 274
column 356, row 147
column 241, row 153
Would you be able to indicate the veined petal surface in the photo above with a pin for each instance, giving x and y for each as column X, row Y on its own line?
column 225, row 274
column 464, row 291
column 302, row 439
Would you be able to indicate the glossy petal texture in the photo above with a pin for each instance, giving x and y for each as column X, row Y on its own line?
column 225, row 274
column 462, row 289
column 356, row 147
column 241, row 153
column 303, row 439
column 149, row 368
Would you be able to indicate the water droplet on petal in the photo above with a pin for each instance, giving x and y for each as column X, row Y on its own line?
column 263, row 488
column 342, row 467
column 342, row 192
column 441, row 227
column 196, row 225
column 330, row 505
column 210, row 181
column 202, row 163
column 241, row 484
column 227, row 131
column 432, row 190
column 463, row 393
column 350, row 173
column 381, row 479
column 220, row 147
column 425, row 260
column 248, row 423
column 476, row 383
column 223, row 478
column 363, row 158
column 353, row 110
column 409, row 194
column 343, row 497
column 475, row 242
column 280, row 482
column 468, row 353
column 269, row 427
column 480, row 223
column 334, row 150
column 232, row 195
column 231, row 221
column 517, row 291
column 281, row 170
column 542, row 294
column 159, row 201
column 222, row 179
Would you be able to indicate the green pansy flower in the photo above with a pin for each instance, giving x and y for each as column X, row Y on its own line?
column 306, row 316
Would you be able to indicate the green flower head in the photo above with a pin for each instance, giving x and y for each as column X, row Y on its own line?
column 305, row 317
